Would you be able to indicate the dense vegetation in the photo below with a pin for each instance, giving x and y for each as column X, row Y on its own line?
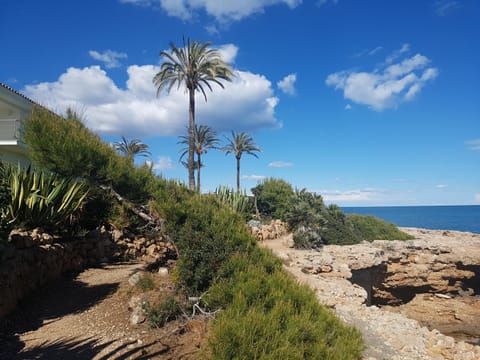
column 313, row 223
column 265, row 315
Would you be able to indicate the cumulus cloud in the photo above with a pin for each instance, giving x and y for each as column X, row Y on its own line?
column 443, row 7
column 108, row 57
column 441, row 186
column 333, row 196
column 473, row 144
column 477, row 198
column 280, row 164
column 247, row 103
column 223, row 11
column 387, row 87
column 254, row 177
column 348, row 107
column 287, row 84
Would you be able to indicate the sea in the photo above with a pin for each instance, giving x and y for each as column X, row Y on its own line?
column 460, row 218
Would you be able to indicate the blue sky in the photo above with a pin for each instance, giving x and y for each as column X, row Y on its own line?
column 365, row 102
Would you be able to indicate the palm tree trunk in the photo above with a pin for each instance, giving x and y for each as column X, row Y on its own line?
column 238, row 174
column 198, row 172
column 191, row 140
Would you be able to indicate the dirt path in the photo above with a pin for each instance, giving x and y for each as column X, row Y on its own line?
column 87, row 317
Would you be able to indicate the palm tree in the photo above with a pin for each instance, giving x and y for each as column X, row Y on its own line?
column 195, row 66
column 131, row 148
column 238, row 144
column 205, row 138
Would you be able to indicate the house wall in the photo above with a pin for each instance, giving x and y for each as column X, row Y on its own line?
column 14, row 109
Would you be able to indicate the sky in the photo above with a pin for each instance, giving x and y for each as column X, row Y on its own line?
column 367, row 103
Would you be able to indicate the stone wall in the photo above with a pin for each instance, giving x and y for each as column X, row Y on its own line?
column 31, row 259
column 271, row 231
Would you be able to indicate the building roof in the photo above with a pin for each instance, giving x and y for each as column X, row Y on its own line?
column 17, row 93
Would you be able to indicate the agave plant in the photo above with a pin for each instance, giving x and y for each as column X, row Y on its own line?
column 237, row 200
column 38, row 198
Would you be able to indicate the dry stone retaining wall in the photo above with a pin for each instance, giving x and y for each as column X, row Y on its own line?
column 31, row 259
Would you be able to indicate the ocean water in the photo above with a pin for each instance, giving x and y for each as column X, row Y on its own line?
column 461, row 218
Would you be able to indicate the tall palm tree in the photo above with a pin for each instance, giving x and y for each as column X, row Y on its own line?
column 131, row 148
column 238, row 144
column 196, row 65
column 205, row 138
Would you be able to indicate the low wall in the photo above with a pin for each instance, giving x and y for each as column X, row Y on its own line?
column 271, row 231
column 31, row 259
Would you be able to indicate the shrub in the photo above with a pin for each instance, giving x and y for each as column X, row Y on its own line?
column 166, row 310
column 146, row 282
column 274, row 198
column 206, row 233
column 371, row 228
column 68, row 148
column 38, row 198
column 267, row 315
column 238, row 201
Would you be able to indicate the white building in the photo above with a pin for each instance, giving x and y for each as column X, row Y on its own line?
column 14, row 109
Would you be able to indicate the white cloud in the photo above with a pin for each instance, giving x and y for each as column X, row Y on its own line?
column 387, row 87
column 473, row 144
column 333, row 196
column 247, row 103
column 397, row 53
column 108, row 57
column 223, row 11
column 287, row 84
column 228, row 53
column 441, row 186
column 348, row 107
column 442, row 7
column 163, row 163
column 280, row 164
column 254, row 177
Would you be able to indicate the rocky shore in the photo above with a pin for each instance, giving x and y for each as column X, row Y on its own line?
column 404, row 296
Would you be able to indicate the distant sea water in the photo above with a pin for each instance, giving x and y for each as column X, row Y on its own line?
column 460, row 218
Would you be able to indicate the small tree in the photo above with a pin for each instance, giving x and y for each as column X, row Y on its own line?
column 239, row 144
column 205, row 138
column 131, row 148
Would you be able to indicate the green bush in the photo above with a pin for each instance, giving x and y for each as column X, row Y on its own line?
column 68, row 148
column 146, row 282
column 274, row 198
column 238, row 201
column 41, row 199
column 267, row 315
column 166, row 310
column 371, row 228
column 206, row 233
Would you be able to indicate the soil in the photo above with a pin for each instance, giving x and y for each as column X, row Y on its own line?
column 86, row 316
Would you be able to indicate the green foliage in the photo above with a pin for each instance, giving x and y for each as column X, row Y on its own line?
column 206, row 233
column 371, row 228
column 238, row 201
column 146, row 282
column 274, row 198
column 267, row 315
column 68, row 148
column 166, row 310
column 4, row 201
column 38, row 198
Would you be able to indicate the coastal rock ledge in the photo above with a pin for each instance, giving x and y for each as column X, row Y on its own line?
column 406, row 297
